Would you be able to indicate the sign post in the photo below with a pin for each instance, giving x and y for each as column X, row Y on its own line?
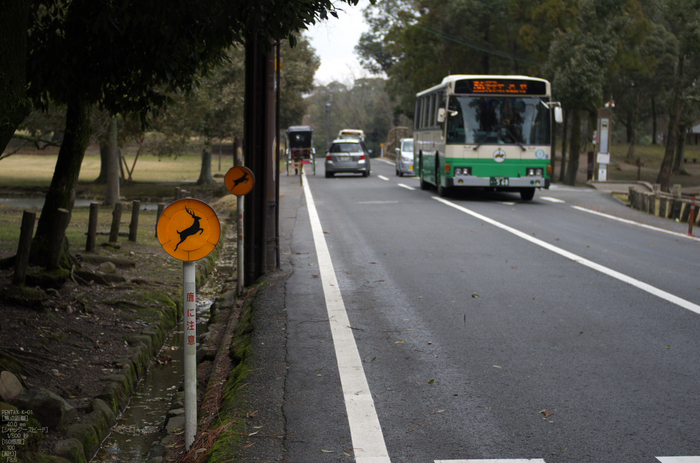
column 189, row 230
column 190, row 350
column 603, row 146
column 239, row 180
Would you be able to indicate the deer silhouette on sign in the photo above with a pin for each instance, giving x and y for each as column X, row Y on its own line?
column 191, row 230
column 243, row 179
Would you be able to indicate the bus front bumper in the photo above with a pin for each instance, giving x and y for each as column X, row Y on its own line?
column 497, row 182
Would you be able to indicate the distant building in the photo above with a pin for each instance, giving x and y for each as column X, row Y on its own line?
column 693, row 135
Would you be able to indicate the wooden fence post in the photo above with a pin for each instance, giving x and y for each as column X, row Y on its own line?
column 134, row 225
column 161, row 208
column 116, row 222
column 92, row 227
column 25, row 245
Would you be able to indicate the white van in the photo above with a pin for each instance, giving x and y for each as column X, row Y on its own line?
column 351, row 134
column 404, row 157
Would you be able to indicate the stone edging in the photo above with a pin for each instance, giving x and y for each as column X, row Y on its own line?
column 663, row 205
column 84, row 435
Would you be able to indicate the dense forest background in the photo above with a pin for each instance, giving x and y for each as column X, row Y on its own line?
column 643, row 55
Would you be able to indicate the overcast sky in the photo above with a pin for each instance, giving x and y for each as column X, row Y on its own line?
column 335, row 40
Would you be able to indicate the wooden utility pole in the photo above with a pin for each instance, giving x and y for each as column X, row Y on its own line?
column 261, row 211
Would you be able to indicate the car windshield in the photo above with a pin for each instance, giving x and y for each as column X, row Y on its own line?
column 407, row 145
column 346, row 148
column 497, row 120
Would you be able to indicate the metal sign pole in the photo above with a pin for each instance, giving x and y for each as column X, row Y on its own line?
column 239, row 180
column 240, row 206
column 190, row 352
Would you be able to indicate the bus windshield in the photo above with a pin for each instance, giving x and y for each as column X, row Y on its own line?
column 477, row 120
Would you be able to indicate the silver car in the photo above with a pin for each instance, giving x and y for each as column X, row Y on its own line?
column 404, row 157
column 347, row 156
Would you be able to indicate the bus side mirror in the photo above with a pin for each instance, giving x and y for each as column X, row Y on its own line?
column 558, row 117
column 442, row 113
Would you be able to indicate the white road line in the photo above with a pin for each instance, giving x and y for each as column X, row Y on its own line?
column 649, row 227
column 507, row 203
column 499, row 460
column 540, row 460
column 577, row 190
column 391, row 163
column 366, row 432
column 607, row 271
column 406, row 186
column 679, row 459
column 382, row 177
column 552, row 200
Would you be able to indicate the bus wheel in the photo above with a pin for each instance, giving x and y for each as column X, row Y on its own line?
column 527, row 193
column 442, row 191
column 423, row 184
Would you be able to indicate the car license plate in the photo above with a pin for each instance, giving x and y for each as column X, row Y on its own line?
column 410, row 167
column 343, row 158
column 499, row 181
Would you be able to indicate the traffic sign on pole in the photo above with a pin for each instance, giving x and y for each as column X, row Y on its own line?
column 189, row 230
column 239, row 180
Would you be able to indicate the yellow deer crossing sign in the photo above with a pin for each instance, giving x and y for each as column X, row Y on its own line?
column 239, row 180
column 189, row 229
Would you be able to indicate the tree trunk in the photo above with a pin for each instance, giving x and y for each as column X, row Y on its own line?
column 629, row 127
column 575, row 150
column 634, row 123
column 205, row 175
column 61, row 194
column 678, row 167
column 553, row 161
column 653, row 121
column 113, row 165
column 104, row 160
column 564, row 144
column 14, row 106
column 664, row 177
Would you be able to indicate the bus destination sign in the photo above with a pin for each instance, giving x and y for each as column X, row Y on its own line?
column 501, row 86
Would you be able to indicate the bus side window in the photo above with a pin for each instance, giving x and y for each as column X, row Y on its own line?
column 416, row 114
column 442, row 103
column 431, row 112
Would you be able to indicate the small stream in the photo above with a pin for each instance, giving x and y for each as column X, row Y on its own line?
column 38, row 203
column 136, row 436
column 140, row 428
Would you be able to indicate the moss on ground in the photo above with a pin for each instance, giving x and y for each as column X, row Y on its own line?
column 234, row 400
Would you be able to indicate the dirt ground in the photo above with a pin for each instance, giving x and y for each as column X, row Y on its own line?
column 69, row 342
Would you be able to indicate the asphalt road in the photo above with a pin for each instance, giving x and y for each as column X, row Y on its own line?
column 481, row 327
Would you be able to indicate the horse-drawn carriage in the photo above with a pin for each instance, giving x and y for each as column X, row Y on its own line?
column 300, row 148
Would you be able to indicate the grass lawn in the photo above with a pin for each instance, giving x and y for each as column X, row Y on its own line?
column 154, row 181
column 21, row 170
column 623, row 169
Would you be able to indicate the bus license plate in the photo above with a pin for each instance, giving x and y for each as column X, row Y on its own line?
column 499, row 181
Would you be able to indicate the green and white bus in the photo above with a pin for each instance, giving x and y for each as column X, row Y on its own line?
column 475, row 131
